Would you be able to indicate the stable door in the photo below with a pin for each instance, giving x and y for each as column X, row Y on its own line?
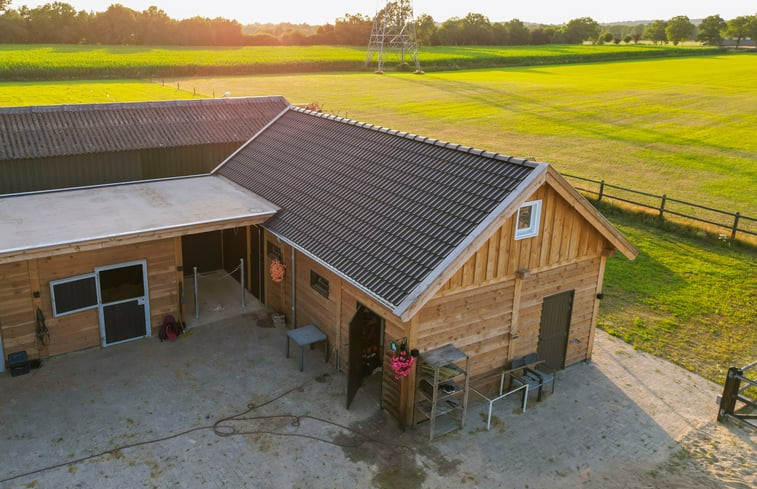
column 553, row 332
column 123, row 302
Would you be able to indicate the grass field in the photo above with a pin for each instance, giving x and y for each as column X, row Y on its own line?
column 679, row 126
column 686, row 298
column 77, row 92
column 46, row 62
column 682, row 127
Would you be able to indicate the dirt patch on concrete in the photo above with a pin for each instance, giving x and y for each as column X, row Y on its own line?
column 403, row 459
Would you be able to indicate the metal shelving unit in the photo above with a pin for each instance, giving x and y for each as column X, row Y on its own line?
column 441, row 394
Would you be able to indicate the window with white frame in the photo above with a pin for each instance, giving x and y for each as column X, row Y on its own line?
column 73, row 294
column 527, row 221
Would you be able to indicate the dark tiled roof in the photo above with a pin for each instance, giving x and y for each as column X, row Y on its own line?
column 59, row 130
column 385, row 209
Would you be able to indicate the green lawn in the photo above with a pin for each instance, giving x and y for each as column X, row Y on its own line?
column 78, row 92
column 683, row 127
column 689, row 299
column 41, row 62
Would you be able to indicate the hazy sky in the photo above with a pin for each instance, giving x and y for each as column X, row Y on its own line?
column 322, row 11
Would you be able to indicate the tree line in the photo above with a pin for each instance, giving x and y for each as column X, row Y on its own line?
column 59, row 22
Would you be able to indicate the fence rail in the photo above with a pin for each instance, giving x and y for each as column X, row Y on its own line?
column 736, row 222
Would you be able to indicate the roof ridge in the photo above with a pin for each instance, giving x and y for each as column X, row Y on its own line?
column 415, row 137
column 30, row 109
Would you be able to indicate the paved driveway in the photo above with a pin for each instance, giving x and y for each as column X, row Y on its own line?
column 142, row 414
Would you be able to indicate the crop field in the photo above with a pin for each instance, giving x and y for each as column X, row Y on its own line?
column 46, row 62
column 683, row 127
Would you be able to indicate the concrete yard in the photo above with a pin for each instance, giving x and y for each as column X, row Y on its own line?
column 141, row 414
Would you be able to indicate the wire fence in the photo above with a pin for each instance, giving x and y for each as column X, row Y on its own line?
column 733, row 222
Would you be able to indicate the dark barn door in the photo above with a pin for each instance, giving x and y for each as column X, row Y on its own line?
column 234, row 249
column 202, row 251
column 553, row 332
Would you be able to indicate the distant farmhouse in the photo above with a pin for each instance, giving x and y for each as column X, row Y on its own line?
column 384, row 236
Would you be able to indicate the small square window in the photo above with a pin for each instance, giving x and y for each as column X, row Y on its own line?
column 527, row 221
column 320, row 284
column 274, row 252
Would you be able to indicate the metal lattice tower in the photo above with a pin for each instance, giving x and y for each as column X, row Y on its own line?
column 393, row 32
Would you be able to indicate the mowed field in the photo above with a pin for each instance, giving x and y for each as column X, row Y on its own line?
column 42, row 62
column 683, row 127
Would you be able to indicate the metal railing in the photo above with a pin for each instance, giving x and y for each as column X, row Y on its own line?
column 734, row 404
column 735, row 222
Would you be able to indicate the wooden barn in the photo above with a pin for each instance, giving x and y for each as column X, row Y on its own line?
column 64, row 146
column 384, row 236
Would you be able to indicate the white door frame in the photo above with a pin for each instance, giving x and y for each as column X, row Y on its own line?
column 145, row 299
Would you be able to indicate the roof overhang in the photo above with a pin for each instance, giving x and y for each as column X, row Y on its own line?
column 43, row 224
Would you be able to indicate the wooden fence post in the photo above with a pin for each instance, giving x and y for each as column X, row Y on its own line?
column 662, row 204
column 601, row 190
column 735, row 225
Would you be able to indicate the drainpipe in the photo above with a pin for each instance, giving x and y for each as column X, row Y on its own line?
column 294, row 274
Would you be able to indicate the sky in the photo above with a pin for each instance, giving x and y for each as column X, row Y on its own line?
column 318, row 12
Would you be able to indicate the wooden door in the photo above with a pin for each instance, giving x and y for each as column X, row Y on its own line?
column 355, row 373
column 122, row 296
column 553, row 332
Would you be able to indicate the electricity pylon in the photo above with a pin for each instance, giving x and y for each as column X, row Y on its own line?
column 394, row 32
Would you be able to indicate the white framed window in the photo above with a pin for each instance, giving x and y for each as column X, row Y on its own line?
column 73, row 294
column 527, row 220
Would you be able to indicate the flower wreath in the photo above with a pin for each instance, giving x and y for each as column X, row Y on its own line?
column 277, row 271
column 402, row 362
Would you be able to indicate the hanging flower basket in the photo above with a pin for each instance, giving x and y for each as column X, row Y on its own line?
column 277, row 271
column 402, row 362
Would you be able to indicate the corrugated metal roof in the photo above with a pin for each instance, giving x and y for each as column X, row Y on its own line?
column 380, row 207
column 60, row 130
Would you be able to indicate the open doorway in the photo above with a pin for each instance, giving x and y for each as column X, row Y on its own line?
column 365, row 352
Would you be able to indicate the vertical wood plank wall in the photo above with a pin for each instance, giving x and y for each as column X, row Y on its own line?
column 473, row 310
column 82, row 329
column 17, row 322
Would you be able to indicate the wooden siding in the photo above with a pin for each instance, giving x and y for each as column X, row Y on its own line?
column 580, row 276
column 17, row 320
column 312, row 307
column 82, row 329
column 564, row 236
column 333, row 315
column 506, row 280
column 475, row 320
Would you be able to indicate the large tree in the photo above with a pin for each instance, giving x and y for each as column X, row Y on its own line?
column 740, row 27
column 655, row 31
column 477, row 29
column 580, row 30
column 517, row 33
column 679, row 29
column 711, row 30
column 425, row 30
